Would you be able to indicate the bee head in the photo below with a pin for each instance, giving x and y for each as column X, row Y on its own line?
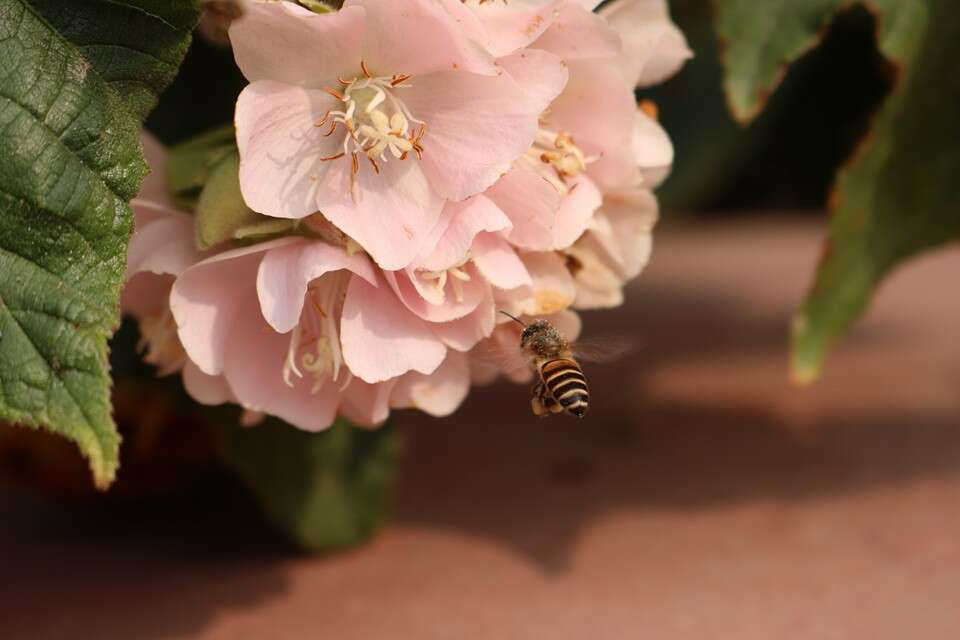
column 532, row 331
column 542, row 339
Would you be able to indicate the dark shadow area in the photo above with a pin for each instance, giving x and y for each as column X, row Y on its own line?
column 535, row 485
column 172, row 564
column 202, row 96
column 492, row 473
column 787, row 157
column 665, row 324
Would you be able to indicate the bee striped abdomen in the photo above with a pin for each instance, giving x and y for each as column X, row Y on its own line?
column 565, row 382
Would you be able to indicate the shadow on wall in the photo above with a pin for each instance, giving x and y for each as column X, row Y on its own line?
column 493, row 473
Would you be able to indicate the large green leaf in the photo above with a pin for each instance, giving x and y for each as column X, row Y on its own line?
column 898, row 195
column 136, row 46
column 326, row 490
column 70, row 160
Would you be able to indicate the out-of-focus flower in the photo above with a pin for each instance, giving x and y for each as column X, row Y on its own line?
column 614, row 250
column 162, row 248
column 374, row 115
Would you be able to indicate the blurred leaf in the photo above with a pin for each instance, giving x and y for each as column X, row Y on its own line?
column 319, row 6
column 190, row 163
column 70, row 161
column 898, row 195
column 221, row 209
column 326, row 490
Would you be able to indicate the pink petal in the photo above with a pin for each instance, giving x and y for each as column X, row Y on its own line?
column 417, row 37
column 498, row 262
column 146, row 294
column 419, row 294
column 463, row 333
column 598, row 280
column 253, row 367
column 381, row 339
column 467, row 21
column 577, row 33
column 154, row 186
column 367, row 405
column 653, row 47
column 281, row 147
column 207, row 297
column 209, row 390
column 598, row 108
column 513, row 26
column 146, row 211
column 652, row 149
column 540, row 74
column 468, row 218
column 393, row 215
column 284, row 42
column 162, row 243
column 576, row 211
column 286, row 271
column 531, row 203
column 439, row 393
column 500, row 354
column 476, row 127
column 553, row 287
column 624, row 231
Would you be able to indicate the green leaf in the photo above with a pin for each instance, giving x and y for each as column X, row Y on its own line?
column 221, row 209
column 70, row 161
column 135, row 46
column 319, row 6
column 326, row 490
column 189, row 163
column 897, row 197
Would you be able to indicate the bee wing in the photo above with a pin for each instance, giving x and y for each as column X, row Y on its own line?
column 604, row 348
column 490, row 359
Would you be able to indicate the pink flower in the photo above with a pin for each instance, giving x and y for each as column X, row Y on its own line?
column 302, row 329
column 374, row 115
column 582, row 189
column 512, row 172
column 614, row 250
column 162, row 248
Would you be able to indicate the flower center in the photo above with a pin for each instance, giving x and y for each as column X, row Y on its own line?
column 378, row 124
column 556, row 157
column 315, row 342
column 455, row 275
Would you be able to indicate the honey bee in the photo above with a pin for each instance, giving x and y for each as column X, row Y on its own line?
column 561, row 385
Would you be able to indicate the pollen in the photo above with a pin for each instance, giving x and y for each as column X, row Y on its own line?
column 376, row 122
column 556, row 157
column 455, row 275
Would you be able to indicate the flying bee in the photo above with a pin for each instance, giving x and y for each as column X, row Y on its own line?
column 561, row 385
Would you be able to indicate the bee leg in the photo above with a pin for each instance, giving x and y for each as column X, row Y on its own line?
column 538, row 409
column 536, row 402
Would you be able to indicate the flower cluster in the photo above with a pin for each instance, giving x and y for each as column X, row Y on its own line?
column 442, row 159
